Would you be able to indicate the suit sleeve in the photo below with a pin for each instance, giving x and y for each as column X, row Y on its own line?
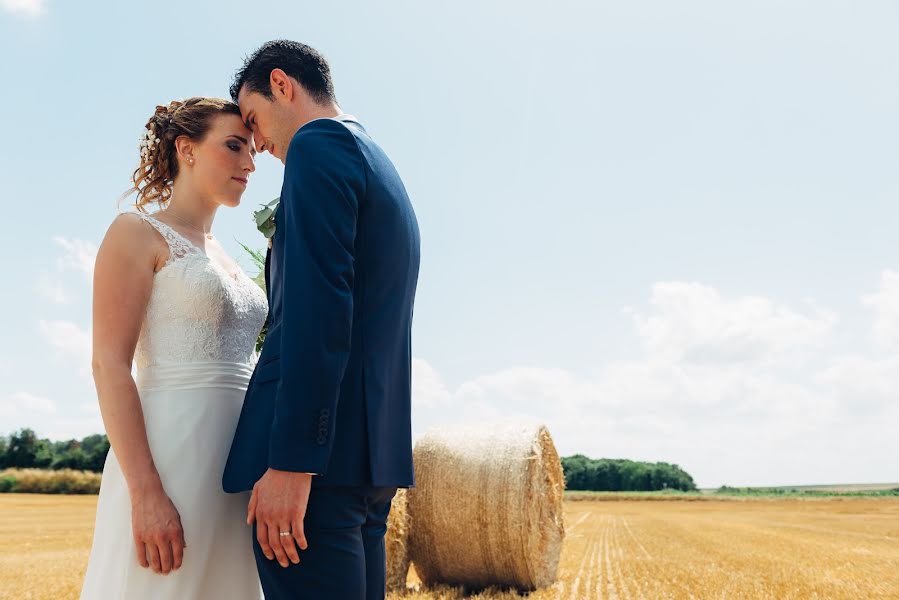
column 324, row 182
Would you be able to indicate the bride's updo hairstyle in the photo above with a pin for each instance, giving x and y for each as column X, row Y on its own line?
column 193, row 117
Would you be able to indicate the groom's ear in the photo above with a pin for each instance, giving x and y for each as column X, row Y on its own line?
column 282, row 85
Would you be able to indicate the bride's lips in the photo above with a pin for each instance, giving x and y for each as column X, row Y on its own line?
column 240, row 180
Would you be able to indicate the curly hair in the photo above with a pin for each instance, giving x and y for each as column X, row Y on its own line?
column 154, row 177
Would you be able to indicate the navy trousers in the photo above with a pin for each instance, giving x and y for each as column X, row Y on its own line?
column 345, row 559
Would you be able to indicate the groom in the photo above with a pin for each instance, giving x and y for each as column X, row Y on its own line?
column 324, row 437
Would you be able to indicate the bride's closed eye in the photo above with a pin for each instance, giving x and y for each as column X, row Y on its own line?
column 235, row 147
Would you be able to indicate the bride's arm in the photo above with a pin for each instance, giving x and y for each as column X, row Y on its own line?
column 123, row 280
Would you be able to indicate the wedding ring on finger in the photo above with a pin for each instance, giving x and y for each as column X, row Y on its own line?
column 285, row 534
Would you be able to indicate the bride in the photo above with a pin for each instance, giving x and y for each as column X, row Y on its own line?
column 168, row 297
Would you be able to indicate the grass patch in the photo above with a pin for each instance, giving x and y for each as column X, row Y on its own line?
column 780, row 492
column 728, row 493
column 42, row 481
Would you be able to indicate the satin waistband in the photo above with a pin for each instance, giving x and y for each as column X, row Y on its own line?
column 195, row 375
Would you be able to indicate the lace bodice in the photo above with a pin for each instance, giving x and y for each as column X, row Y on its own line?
column 197, row 310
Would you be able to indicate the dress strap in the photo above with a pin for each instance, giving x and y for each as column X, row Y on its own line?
column 179, row 246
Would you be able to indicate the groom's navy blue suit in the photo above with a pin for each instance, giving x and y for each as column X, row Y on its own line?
column 331, row 393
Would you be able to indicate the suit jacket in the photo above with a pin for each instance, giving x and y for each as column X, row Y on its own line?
column 331, row 392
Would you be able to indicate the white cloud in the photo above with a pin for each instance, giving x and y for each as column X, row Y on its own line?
column 69, row 340
column 737, row 426
column 427, row 389
column 729, row 388
column 72, row 418
column 70, row 428
column 28, row 8
column 885, row 304
column 694, row 323
column 861, row 384
column 80, row 255
column 24, row 409
column 24, row 401
column 90, row 408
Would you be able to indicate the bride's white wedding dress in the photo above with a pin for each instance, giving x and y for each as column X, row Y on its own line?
column 194, row 359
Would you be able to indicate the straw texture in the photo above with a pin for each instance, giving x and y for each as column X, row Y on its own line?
column 397, row 542
column 487, row 509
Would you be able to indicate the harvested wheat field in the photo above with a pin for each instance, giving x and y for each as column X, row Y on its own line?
column 743, row 548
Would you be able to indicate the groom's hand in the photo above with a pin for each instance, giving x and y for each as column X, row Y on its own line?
column 279, row 504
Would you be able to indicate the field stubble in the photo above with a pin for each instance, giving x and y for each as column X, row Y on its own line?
column 626, row 550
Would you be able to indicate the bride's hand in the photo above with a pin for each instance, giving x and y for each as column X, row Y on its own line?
column 158, row 535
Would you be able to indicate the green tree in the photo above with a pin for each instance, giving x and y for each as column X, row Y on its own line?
column 612, row 475
column 95, row 447
column 26, row 451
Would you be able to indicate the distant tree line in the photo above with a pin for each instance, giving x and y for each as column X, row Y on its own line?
column 620, row 475
column 23, row 450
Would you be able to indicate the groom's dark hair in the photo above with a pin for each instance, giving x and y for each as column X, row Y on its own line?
column 302, row 62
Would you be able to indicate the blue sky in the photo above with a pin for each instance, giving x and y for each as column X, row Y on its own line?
column 666, row 230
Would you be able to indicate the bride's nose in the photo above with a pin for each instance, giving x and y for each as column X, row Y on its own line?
column 250, row 165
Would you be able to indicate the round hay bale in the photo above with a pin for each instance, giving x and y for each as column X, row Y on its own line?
column 487, row 507
column 397, row 542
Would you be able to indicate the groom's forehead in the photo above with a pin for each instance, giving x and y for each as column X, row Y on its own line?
column 247, row 95
column 243, row 98
column 248, row 102
column 244, row 103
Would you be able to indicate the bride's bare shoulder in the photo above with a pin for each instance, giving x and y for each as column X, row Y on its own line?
column 129, row 225
column 131, row 235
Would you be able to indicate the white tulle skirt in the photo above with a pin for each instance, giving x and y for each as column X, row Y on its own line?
column 190, row 411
